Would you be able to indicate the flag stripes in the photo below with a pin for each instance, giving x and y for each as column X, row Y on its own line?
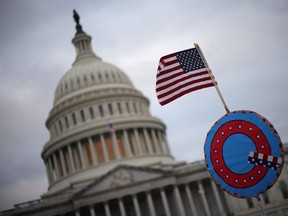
column 173, row 78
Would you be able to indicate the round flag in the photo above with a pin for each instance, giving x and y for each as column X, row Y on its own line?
column 244, row 153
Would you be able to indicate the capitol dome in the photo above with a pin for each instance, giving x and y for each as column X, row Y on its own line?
column 99, row 121
column 89, row 72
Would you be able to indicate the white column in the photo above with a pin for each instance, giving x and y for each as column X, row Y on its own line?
column 179, row 201
column 115, row 145
column 121, row 206
column 190, row 199
column 156, row 141
column 138, row 141
column 79, row 145
column 217, row 197
column 47, row 172
column 51, row 169
column 92, row 211
column 147, row 141
column 203, row 198
column 77, row 213
column 56, row 166
column 165, row 202
column 161, row 142
column 127, row 144
column 62, row 162
column 107, row 210
column 71, row 159
column 136, row 205
column 94, row 155
column 104, row 148
column 150, row 204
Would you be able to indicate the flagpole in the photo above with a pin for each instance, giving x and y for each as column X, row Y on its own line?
column 211, row 76
column 260, row 205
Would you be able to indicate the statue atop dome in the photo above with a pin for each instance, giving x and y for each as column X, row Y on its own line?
column 78, row 26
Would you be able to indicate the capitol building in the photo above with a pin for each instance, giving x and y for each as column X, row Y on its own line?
column 108, row 156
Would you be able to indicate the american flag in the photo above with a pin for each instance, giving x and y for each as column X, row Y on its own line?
column 180, row 73
column 111, row 128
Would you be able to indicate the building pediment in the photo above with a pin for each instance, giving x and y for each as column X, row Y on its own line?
column 122, row 176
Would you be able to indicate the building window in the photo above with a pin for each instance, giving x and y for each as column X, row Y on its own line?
column 110, row 109
column 284, row 190
column 66, row 87
column 250, row 202
column 66, row 122
column 140, row 108
column 71, row 84
column 135, row 108
column 101, row 111
column 82, row 114
column 113, row 76
column 266, row 198
column 119, row 108
column 127, row 107
column 74, row 119
column 91, row 111
column 61, row 90
column 60, row 126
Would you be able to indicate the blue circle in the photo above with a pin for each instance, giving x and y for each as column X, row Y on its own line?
column 236, row 151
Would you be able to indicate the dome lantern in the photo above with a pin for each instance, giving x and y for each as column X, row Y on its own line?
column 82, row 42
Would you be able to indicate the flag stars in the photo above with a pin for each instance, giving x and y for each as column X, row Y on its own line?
column 190, row 60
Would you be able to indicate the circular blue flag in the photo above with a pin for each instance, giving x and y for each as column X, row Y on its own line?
column 244, row 153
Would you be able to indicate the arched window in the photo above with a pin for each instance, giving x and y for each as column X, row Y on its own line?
column 92, row 114
column 74, row 119
column 82, row 114
column 119, row 108
column 127, row 107
column 66, row 122
column 60, row 126
column 101, row 111
column 110, row 109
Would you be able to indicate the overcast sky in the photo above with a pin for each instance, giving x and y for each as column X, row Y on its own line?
column 244, row 42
